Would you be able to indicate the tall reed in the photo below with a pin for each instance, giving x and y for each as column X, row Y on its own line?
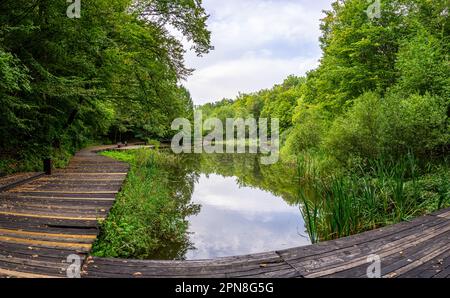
column 343, row 205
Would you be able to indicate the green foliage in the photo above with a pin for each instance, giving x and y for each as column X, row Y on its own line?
column 393, row 125
column 380, row 95
column 387, row 192
column 13, row 76
column 280, row 101
column 114, row 72
column 418, row 124
column 423, row 65
column 358, row 132
column 308, row 131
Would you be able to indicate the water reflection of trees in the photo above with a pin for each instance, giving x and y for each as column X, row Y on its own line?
column 278, row 179
column 180, row 180
column 184, row 171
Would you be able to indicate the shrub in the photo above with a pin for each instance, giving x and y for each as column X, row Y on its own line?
column 392, row 126
column 417, row 124
column 359, row 131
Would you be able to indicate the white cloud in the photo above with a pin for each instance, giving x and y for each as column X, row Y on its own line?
column 254, row 23
column 225, row 79
column 257, row 44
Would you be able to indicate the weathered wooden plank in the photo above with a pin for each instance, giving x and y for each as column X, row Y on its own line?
column 382, row 251
column 24, row 250
column 49, row 216
column 436, row 264
column 416, row 256
column 440, row 212
column 268, row 271
column 60, row 266
column 61, row 209
column 15, row 180
column 17, row 274
column 45, row 235
column 44, row 227
column 395, row 261
column 137, row 274
column 53, row 206
column 26, row 222
column 336, row 255
column 430, row 256
column 82, row 192
column 41, row 257
column 267, row 257
column 82, row 247
column 58, row 195
column 445, row 272
column 182, row 268
column 74, row 183
column 33, row 269
column 445, row 215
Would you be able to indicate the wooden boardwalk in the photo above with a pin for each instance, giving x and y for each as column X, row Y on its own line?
column 51, row 217
column 47, row 219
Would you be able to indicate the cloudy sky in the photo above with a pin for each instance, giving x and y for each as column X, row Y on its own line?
column 257, row 44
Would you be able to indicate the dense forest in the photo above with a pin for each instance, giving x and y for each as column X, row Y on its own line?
column 382, row 87
column 111, row 75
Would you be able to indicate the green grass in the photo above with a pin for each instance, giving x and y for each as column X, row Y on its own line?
column 146, row 219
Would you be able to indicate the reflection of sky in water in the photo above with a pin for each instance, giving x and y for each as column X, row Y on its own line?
column 237, row 221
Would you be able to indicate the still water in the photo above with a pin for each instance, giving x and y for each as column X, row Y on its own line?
column 244, row 206
column 236, row 220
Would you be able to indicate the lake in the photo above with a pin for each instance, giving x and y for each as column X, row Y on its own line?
column 244, row 207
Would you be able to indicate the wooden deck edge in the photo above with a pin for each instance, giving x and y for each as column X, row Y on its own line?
column 21, row 182
column 443, row 213
column 262, row 258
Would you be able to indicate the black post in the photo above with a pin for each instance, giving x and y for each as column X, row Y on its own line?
column 48, row 166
